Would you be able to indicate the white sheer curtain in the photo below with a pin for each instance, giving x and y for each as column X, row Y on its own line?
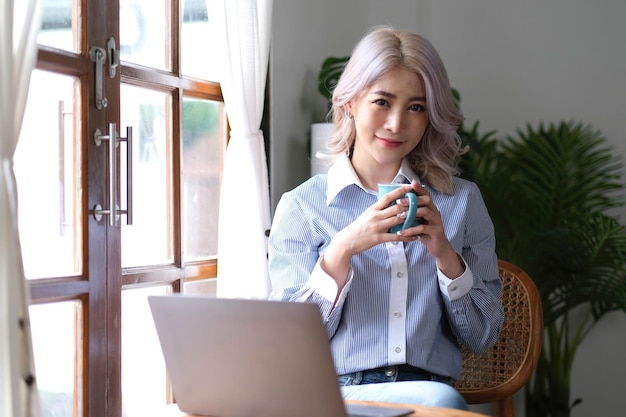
column 19, row 25
column 244, row 201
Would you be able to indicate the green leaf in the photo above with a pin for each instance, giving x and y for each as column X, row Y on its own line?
column 550, row 190
column 330, row 72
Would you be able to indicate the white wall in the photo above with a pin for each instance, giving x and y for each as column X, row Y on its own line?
column 518, row 62
column 514, row 62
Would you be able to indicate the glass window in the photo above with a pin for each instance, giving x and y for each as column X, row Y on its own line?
column 82, row 297
column 58, row 24
column 55, row 336
column 148, row 240
column 198, row 58
column 47, row 172
column 200, row 177
column 143, row 36
column 144, row 387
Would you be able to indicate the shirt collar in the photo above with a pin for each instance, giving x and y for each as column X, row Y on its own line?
column 406, row 173
column 341, row 174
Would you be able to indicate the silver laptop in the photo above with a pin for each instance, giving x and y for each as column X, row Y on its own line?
column 243, row 358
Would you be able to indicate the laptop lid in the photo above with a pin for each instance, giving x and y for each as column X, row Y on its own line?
column 242, row 358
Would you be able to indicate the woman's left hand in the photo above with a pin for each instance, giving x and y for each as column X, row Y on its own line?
column 432, row 234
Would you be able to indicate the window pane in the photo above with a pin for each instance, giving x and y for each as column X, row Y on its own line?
column 58, row 25
column 148, row 241
column 56, row 335
column 143, row 34
column 203, row 286
column 144, row 383
column 47, row 171
column 198, row 58
column 201, row 175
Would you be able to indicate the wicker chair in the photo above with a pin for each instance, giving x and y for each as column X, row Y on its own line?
column 495, row 375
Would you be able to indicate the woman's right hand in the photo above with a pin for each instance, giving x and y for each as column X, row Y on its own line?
column 369, row 229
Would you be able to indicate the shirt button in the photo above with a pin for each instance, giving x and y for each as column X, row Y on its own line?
column 453, row 288
column 398, row 349
column 390, row 370
column 397, row 314
column 399, row 274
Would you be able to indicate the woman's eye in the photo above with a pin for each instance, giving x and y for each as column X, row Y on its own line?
column 417, row 107
column 380, row 102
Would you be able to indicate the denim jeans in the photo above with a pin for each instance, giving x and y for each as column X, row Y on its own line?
column 390, row 374
column 401, row 384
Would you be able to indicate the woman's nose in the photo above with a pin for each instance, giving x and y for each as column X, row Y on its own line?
column 394, row 121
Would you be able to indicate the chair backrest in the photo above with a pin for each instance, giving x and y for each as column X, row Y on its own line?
column 495, row 375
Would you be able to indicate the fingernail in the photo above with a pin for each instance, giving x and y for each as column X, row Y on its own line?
column 401, row 214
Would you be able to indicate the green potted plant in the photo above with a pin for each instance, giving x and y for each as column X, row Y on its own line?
column 329, row 73
column 549, row 191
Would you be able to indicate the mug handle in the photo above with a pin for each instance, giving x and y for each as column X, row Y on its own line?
column 410, row 216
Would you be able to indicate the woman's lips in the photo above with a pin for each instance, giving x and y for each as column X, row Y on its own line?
column 389, row 143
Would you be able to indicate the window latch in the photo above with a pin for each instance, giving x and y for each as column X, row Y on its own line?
column 114, row 57
column 99, row 56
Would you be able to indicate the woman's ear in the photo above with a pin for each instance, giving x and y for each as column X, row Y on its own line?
column 347, row 109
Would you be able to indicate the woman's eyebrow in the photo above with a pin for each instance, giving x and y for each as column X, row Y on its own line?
column 390, row 95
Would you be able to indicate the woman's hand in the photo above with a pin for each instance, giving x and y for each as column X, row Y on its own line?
column 368, row 230
column 431, row 233
column 372, row 226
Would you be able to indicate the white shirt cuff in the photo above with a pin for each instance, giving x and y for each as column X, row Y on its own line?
column 326, row 286
column 458, row 287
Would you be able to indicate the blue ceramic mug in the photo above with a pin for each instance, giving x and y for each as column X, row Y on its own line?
column 410, row 220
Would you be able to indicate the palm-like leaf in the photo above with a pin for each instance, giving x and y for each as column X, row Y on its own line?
column 587, row 268
column 549, row 192
column 561, row 181
column 330, row 72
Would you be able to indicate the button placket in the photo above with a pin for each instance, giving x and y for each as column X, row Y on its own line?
column 398, row 290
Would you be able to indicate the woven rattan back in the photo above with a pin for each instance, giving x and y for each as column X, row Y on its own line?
column 495, row 375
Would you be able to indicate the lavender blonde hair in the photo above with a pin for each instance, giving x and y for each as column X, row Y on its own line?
column 383, row 49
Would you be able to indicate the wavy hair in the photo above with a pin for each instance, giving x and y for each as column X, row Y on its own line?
column 435, row 159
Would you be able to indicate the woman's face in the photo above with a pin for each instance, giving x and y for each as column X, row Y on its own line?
column 390, row 118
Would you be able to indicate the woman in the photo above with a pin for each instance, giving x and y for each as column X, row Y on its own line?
column 396, row 305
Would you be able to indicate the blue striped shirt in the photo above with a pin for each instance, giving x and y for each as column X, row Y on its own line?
column 396, row 307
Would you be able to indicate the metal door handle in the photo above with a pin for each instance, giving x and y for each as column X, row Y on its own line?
column 61, row 115
column 114, row 211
